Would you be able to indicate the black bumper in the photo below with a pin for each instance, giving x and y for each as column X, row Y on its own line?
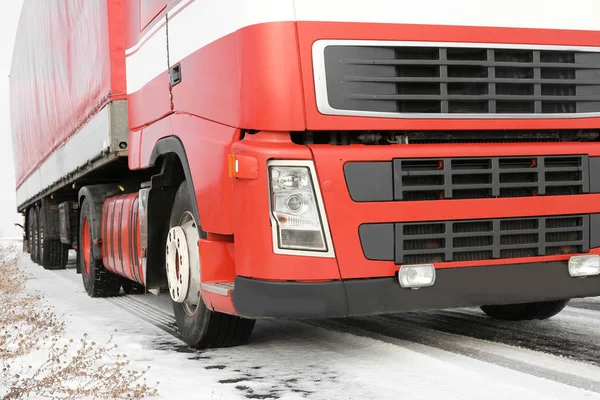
column 454, row 287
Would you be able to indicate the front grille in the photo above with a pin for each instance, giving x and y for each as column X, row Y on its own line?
column 461, row 80
column 433, row 242
column 472, row 178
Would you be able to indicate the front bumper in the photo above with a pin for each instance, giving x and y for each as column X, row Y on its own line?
column 454, row 287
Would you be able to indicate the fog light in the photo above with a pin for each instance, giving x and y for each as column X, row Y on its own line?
column 581, row 266
column 416, row 276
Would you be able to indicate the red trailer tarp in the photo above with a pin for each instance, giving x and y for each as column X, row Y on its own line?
column 68, row 62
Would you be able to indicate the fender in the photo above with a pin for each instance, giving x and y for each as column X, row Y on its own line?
column 173, row 145
column 96, row 194
column 203, row 147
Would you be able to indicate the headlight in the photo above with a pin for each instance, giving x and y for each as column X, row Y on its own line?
column 296, row 208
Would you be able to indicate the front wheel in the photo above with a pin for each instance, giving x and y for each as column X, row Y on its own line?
column 199, row 326
column 527, row 311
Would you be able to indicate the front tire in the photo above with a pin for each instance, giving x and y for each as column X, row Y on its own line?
column 97, row 281
column 524, row 312
column 200, row 327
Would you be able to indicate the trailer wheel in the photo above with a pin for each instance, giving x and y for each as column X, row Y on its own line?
column 527, row 311
column 32, row 234
column 199, row 326
column 52, row 254
column 97, row 281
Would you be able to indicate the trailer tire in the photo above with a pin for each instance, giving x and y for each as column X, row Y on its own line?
column 204, row 328
column 31, row 233
column 55, row 255
column 52, row 254
column 527, row 311
column 97, row 280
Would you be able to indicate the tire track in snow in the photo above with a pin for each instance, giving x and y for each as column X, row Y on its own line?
column 439, row 330
column 553, row 336
column 587, row 304
column 445, row 331
column 411, row 336
column 147, row 312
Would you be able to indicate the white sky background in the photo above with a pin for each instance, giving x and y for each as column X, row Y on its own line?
column 11, row 9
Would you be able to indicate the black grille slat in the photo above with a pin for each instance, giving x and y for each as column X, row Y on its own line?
column 462, row 80
column 491, row 239
column 573, row 66
column 368, row 79
column 434, row 97
column 489, row 177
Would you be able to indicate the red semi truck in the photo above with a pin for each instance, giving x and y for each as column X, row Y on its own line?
column 312, row 159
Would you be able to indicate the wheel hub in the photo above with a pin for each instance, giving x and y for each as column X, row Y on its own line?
column 182, row 262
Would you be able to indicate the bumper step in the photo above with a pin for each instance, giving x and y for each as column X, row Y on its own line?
column 220, row 288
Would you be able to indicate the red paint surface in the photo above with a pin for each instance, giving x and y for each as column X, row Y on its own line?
column 248, row 79
column 219, row 303
column 121, row 251
column 218, row 257
column 207, row 145
column 87, row 246
column 254, row 255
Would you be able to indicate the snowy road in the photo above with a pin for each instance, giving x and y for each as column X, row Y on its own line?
column 459, row 354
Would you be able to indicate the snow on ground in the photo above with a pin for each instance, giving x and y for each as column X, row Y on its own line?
column 9, row 249
column 377, row 358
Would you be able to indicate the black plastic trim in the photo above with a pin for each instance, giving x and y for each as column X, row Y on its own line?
column 64, row 216
column 175, row 75
column 265, row 299
column 595, row 230
column 461, row 80
column 594, row 169
column 454, row 287
column 385, row 242
column 440, row 178
column 174, row 145
column 447, row 173
column 370, row 181
column 377, row 241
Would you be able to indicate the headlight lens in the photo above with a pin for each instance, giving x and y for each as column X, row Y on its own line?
column 295, row 209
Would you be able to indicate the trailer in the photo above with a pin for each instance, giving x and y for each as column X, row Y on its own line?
column 309, row 159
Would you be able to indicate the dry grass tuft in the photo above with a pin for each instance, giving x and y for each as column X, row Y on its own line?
column 36, row 361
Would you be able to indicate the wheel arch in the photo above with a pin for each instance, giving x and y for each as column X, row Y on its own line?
column 168, row 150
column 169, row 154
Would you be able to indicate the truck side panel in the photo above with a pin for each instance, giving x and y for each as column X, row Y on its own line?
column 106, row 129
column 238, row 64
column 146, row 62
column 67, row 66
